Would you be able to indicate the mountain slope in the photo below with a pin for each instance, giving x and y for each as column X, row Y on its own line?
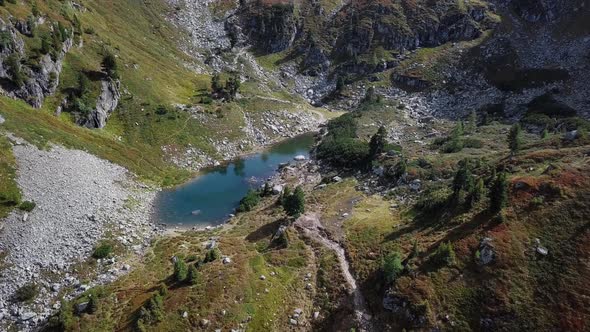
column 451, row 195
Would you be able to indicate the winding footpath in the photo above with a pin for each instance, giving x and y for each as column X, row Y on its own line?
column 311, row 226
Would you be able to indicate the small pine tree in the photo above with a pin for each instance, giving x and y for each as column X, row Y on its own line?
column 463, row 179
column 415, row 250
column 216, row 86
column 232, row 86
column 472, row 122
column 283, row 240
column 193, row 275
column 476, row 193
column 92, row 304
column 163, row 290
column 14, row 69
column 400, row 169
column 377, row 143
column 514, row 138
column 544, row 133
column 45, row 44
column 84, row 85
column 294, row 204
column 180, row 270
column 249, row 202
column 340, row 84
column 109, row 65
column 212, row 255
column 35, row 9
column 267, row 190
column 499, row 193
column 286, row 193
column 392, row 266
column 444, row 254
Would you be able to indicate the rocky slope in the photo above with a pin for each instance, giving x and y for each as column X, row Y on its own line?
column 79, row 199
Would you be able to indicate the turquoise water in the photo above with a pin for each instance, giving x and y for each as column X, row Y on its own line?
column 210, row 198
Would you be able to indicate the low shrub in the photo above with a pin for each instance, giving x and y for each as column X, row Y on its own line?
column 102, row 251
column 473, row 143
column 27, row 292
column 249, row 201
column 27, row 206
column 444, row 254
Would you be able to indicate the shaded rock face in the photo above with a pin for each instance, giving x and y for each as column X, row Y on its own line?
column 544, row 10
column 270, row 28
column 358, row 28
column 410, row 83
column 37, row 83
column 105, row 105
column 395, row 26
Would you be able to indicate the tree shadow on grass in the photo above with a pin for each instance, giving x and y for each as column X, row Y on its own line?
column 265, row 231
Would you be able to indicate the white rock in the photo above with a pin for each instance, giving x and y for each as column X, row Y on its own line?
column 226, row 260
column 262, row 277
column 542, row 250
column 277, row 189
column 300, row 157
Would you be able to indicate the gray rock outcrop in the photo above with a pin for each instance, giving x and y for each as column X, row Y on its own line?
column 105, row 104
column 36, row 83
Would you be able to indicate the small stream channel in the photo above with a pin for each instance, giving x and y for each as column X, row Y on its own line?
column 208, row 199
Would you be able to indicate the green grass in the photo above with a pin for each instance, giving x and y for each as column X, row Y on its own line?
column 10, row 195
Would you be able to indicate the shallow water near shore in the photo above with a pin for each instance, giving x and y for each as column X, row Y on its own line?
column 209, row 199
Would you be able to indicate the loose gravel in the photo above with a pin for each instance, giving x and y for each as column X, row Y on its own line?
column 80, row 199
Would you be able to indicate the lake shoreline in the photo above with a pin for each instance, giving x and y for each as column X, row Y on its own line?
column 214, row 188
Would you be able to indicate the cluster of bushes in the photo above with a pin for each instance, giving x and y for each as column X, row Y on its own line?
column 455, row 141
column 152, row 311
column 466, row 190
column 341, row 147
column 109, row 65
column 249, row 202
column 189, row 273
column 293, row 202
column 228, row 91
